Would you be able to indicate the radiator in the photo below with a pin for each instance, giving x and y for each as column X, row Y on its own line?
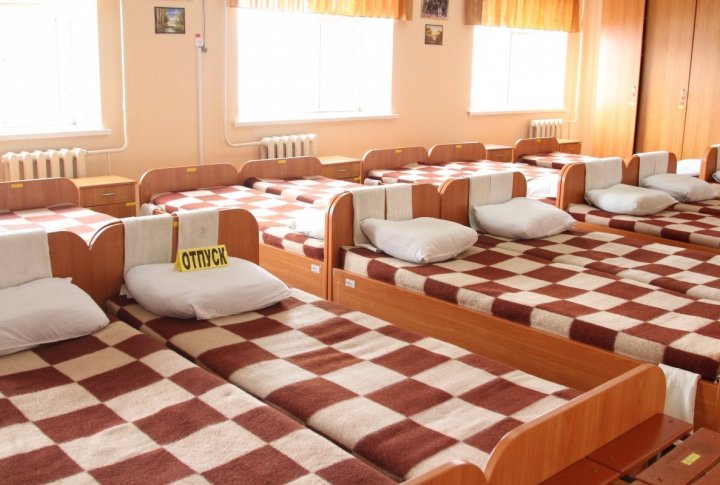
column 301, row 145
column 65, row 162
column 546, row 128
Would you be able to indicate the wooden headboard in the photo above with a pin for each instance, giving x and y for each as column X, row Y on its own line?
column 533, row 146
column 572, row 185
column 280, row 168
column 32, row 194
column 70, row 257
column 709, row 164
column 392, row 158
column 458, row 152
column 631, row 169
column 455, row 197
column 237, row 230
column 176, row 179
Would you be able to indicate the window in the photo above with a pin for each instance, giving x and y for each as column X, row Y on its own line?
column 304, row 66
column 49, row 63
column 516, row 69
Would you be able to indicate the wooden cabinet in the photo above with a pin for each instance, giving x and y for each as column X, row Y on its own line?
column 618, row 75
column 499, row 153
column 339, row 167
column 108, row 194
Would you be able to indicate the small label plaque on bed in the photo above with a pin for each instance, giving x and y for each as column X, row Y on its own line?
column 194, row 259
column 282, row 162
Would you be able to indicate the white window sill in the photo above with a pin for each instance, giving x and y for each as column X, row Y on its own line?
column 319, row 118
column 508, row 111
column 52, row 132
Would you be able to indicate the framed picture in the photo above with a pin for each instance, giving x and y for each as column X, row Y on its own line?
column 433, row 34
column 169, row 20
column 435, row 9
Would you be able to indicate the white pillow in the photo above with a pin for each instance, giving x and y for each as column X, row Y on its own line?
column 522, row 218
column 239, row 287
column 542, row 187
column 716, row 176
column 311, row 223
column 681, row 187
column 689, row 166
column 420, row 240
column 46, row 310
column 630, row 200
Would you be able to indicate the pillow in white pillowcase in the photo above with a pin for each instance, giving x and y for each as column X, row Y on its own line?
column 421, row 240
column 46, row 310
column 716, row 176
column 689, row 166
column 522, row 218
column 629, row 200
column 240, row 287
column 683, row 188
column 542, row 187
column 311, row 223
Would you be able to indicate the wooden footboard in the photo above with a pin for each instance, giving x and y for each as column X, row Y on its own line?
column 178, row 179
column 31, row 194
column 457, row 152
column 280, row 168
column 533, row 146
column 295, row 270
column 709, row 164
column 391, row 158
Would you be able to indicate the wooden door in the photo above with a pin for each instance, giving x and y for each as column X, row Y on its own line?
column 666, row 58
column 702, row 123
column 613, row 132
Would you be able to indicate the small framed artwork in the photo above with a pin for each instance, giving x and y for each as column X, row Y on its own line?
column 169, row 20
column 435, row 9
column 433, row 34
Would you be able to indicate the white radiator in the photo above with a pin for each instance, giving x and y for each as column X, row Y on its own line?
column 301, row 145
column 65, row 162
column 546, row 128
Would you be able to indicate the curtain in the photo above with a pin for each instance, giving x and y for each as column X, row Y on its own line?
column 524, row 14
column 395, row 9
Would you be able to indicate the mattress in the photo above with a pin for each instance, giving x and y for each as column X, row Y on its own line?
column 83, row 222
column 274, row 215
column 119, row 407
column 315, row 190
column 622, row 315
column 556, row 160
column 402, row 402
column 690, row 227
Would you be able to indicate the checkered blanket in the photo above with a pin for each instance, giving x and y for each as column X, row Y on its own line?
column 556, row 160
column 691, row 227
column 404, row 403
column 617, row 314
column 83, row 222
column 315, row 190
column 710, row 207
column 117, row 407
column 437, row 174
column 273, row 214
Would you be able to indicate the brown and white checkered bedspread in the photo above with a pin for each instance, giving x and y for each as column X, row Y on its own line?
column 403, row 402
column 687, row 271
column 556, row 160
column 315, row 190
column 617, row 314
column 118, row 407
column 83, row 222
column 272, row 213
column 691, row 227
column 709, row 207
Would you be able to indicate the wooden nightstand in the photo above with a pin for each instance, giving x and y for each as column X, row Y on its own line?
column 499, row 153
column 108, row 194
column 570, row 146
column 339, row 167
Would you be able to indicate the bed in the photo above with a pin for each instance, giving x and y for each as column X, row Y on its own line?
column 545, row 152
column 116, row 406
column 469, row 301
column 52, row 204
column 296, row 259
column 293, row 179
column 377, row 389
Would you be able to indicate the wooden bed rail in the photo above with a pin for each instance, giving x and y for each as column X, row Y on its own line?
column 70, row 258
column 280, row 168
column 631, row 168
column 709, row 164
column 455, row 472
column 457, row 152
column 572, row 185
column 191, row 177
column 455, row 193
column 533, row 146
column 30, row 194
column 391, row 158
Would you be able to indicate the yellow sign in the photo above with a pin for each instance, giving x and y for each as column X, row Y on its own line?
column 191, row 169
column 690, row 459
column 17, row 186
column 195, row 259
column 282, row 162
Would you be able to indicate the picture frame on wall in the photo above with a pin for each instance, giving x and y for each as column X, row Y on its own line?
column 435, row 9
column 433, row 34
column 169, row 20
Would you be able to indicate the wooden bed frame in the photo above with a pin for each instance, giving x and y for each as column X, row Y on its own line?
column 564, row 435
column 631, row 169
column 391, row 159
column 280, row 168
column 457, row 152
column 32, row 194
column 454, row 194
column 534, row 146
column 296, row 270
column 709, row 164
